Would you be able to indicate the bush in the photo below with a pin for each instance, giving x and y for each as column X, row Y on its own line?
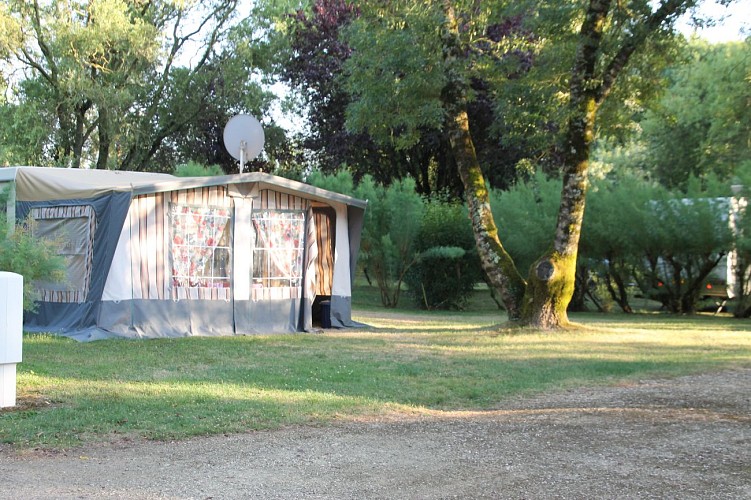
column 193, row 169
column 447, row 267
column 668, row 242
column 525, row 215
column 20, row 253
column 392, row 222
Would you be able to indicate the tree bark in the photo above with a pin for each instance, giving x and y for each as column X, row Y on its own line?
column 550, row 285
column 497, row 264
column 552, row 277
column 105, row 142
column 80, row 134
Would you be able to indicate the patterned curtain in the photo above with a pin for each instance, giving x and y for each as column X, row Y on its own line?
column 196, row 232
column 279, row 243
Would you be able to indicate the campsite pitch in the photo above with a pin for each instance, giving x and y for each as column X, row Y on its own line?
column 685, row 437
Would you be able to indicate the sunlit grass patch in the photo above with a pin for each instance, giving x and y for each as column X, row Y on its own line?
column 71, row 393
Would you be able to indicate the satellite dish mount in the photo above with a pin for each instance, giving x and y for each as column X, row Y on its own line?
column 243, row 138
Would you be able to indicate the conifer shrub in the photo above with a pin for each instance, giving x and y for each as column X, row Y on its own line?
column 447, row 267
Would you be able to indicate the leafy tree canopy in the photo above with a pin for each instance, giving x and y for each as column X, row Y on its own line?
column 701, row 125
column 126, row 84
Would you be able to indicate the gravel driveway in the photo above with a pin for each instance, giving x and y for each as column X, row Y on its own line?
column 688, row 437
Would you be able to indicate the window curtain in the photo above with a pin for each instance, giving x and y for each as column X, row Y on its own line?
column 71, row 229
column 278, row 236
column 196, row 232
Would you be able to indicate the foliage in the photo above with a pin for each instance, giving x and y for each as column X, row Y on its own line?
column 193, row 169
column 417, row 62
column 126, row 84
column 700, row 126
column 525, row 215
column 35, row 260
column 339, row 182
column 613, row 232
column 335, row 51
column 636, row 233
column 392, row 221
column 397, row 67
column 447, row 269
column 742, row 236
column 667, row 242
column 23, row 254
column 312, row 61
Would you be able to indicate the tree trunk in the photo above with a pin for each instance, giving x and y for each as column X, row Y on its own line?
column 495, row 260
column 80, row 133
column 743, row 307
column 497, row 264
column 552, row 277
column 104, row 139
column 550, row 285
column 619, row 292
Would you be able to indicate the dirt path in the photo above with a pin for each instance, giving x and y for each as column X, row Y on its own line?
column 688, row 437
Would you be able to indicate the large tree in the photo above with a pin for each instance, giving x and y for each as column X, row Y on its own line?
column 314, row 51
column 597, row 41
column 119, row 83
column 313, row 60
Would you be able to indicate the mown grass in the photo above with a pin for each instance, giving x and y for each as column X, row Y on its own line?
column 71, row 393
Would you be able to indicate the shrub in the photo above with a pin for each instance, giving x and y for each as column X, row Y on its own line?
column 392, row 222
column 33, row 259
column 667, row 242
column 525, row 215
column 447, row 267
column 193, row 169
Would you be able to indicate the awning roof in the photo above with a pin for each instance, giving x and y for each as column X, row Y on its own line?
column 45, row 183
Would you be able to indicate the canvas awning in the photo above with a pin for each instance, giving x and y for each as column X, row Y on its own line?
column 43, row 183
column 47, row 183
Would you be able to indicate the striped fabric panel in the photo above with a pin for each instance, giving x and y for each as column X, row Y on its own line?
column 274, row 200
column 67, row 212
column 162, row 245
column 68, row 296
column 143, row 240
column 276, row 293
column 149, row 232
column 215, row 196
column 311, row 256
column 325, row 260
column 156, row 288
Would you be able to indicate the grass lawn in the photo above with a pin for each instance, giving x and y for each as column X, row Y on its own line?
column 71, row 393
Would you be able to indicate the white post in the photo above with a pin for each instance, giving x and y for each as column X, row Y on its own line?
column 242, row 156
column 11, row 334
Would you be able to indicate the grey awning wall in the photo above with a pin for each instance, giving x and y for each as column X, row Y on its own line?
column 110, row 210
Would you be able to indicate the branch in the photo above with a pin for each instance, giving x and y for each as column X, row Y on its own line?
column 46, row 51
column 589, row 45
column 668, row 11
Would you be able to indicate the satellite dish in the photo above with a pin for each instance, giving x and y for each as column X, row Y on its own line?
column 243, row 138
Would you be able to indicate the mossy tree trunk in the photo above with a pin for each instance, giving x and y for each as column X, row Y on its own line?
column 552, row 277
column 497, row 264
column 542, row 300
